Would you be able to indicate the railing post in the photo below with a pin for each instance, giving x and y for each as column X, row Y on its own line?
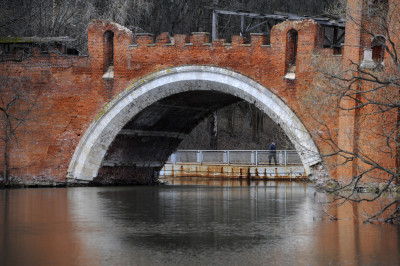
column 256, row 158
column 282, row 157
column 198, row 157
column 285, row 157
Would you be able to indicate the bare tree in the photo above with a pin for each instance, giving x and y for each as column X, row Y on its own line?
column 129, row 13
column 17, row 105
column 365, row 94
column 53, row 18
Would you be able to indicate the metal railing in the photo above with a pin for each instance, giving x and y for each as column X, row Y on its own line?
column 235, row 157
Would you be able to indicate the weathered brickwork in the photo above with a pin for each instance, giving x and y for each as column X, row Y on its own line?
column 366, row 130
column 73, row 90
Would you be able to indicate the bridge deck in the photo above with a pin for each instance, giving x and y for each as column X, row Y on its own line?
column 233, row 171
column 234, row 164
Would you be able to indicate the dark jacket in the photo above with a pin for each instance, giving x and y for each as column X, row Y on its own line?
column 272, row 149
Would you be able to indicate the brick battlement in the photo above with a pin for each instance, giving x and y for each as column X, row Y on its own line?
column 128, row 43
column 144, row 51
column 202, row 39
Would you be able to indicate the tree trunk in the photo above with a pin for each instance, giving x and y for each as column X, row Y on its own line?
column 231, row 120
column 213, row 127
column 254, row 123
column 397, row 154
column 5, row 170
column 53, row 19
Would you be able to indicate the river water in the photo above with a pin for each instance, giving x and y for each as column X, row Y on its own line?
column 197, row 222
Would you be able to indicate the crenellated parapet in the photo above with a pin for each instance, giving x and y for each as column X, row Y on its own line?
column 277, row 53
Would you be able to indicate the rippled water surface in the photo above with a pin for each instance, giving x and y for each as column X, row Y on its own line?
column 185, row 223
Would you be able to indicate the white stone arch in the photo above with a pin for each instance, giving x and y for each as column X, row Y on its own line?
column 93, row 146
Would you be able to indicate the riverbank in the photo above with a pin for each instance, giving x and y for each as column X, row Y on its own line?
column 160, row 181
column 330, row 186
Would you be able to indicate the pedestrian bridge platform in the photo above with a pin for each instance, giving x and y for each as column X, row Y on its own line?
column 234, row 164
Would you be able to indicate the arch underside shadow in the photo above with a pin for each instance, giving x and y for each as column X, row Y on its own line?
column 141, row 127
column 145, row 142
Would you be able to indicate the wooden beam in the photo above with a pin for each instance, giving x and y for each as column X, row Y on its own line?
column 143, row 133
column 182, row 107
column 214, row 33
column 329, row 40
column 259, row 24
column 341, row 36
column 241, row 25
column 335, row 36
column 252, row 15
column 281, row 16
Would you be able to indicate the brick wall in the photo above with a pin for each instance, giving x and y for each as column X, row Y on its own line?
column 72, row 90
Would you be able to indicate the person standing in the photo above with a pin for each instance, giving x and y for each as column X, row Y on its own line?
column 272, row 152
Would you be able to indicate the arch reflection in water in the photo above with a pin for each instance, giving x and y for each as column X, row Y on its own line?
column 236, row 223
column 255, row 223
column 273, row 223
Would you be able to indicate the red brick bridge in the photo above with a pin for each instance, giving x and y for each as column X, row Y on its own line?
column 124, row 108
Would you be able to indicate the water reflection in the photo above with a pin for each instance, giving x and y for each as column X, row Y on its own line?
column 217, row 223
column 36, row 229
